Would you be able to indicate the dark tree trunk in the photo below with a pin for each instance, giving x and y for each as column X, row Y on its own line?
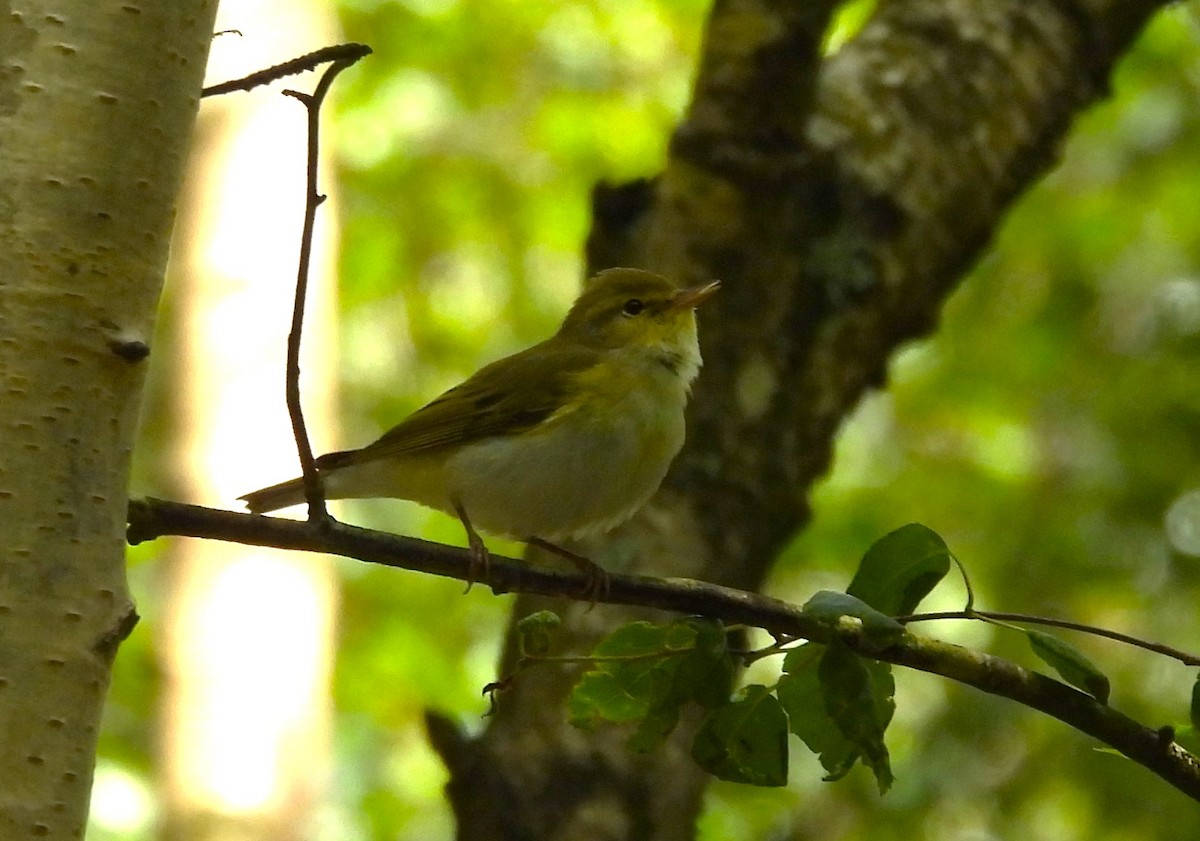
column 839, row 201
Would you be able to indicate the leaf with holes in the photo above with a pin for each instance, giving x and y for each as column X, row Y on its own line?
column 745, row 741
column 860, row 697
column 646, row 673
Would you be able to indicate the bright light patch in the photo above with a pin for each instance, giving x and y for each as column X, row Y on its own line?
column 641, row 35
column 409, row 108
column 431, row 8
column 571, row 35
column 258, row 672
column 467, row 286
column 378, row 344
column 121, row 802
column 1007, row 450
column 1183, row 523
column 849, row 20
column 552, row 278
column 1179, row 306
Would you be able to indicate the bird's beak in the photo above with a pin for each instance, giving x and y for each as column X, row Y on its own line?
column 693, row 296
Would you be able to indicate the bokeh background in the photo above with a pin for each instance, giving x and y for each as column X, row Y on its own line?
column 1050, row 430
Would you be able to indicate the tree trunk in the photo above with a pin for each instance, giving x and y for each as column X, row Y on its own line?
column 97, row 103
column 839, row 200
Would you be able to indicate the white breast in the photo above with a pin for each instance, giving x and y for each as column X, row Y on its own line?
column 581, row 474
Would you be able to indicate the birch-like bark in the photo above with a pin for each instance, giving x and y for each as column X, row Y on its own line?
column 97, row 102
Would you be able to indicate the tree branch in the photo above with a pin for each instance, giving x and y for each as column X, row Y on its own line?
column 348, row 53
column 314, row 492
column 152, row 518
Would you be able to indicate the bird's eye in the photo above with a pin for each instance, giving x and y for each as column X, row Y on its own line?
column 633, row 306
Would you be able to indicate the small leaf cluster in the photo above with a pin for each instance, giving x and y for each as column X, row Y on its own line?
column 837, row 701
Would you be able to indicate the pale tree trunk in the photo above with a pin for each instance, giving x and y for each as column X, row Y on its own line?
column 839, row 201
column 247, row 633
column 97, row 102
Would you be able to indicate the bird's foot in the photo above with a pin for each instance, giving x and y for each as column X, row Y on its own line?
column 480, row 568
column 480, row 559
column 598, row 582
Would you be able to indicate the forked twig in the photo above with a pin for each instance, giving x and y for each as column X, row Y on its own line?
column 314, row 492
column 349, row 53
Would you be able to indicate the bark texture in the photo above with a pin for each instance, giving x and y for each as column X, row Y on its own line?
column 839, row 201
column 97, row 102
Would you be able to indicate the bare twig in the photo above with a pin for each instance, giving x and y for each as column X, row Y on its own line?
column 313, row 488
column 1026, row 619
column 339, row 53
column 150, row 518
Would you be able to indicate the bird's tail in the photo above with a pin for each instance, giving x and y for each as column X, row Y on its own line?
column 291, row 492
column 278, row 496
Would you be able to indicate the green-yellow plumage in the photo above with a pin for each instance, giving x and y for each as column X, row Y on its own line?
column 567, row 438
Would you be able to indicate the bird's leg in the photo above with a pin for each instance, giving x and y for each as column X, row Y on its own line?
column 597, row 583
column 480, row 559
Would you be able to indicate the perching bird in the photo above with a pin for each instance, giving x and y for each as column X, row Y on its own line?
column 566, row 439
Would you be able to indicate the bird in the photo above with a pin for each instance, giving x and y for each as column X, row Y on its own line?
column 562, row 441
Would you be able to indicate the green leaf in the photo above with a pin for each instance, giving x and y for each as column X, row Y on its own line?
column 829, row 606
column 1188, row 738
column 860, row 697
column 1194, row 710
column 703, row 674
column 840, row 705
column 1072, row 666
column 646, row 673
column 803, row 698
column 745, row 741
column 707, row 672
column 620, row 685
column 536, row 633
column 655, row 726
column 602, row 696
column 900, row 569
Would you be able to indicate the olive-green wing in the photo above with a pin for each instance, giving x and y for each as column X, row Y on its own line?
column 508, row 397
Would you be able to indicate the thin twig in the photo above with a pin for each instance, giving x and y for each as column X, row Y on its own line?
column 339, row 52
column 314, row 492
column 1026, row 619
column 150, row 518
column 966, row 580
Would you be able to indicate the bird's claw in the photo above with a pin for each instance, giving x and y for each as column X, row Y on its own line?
column 481, row 561
column 598, row 583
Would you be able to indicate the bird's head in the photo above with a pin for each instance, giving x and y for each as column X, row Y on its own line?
column 639, row 311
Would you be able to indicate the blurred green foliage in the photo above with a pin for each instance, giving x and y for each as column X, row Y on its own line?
column 1044, row 430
